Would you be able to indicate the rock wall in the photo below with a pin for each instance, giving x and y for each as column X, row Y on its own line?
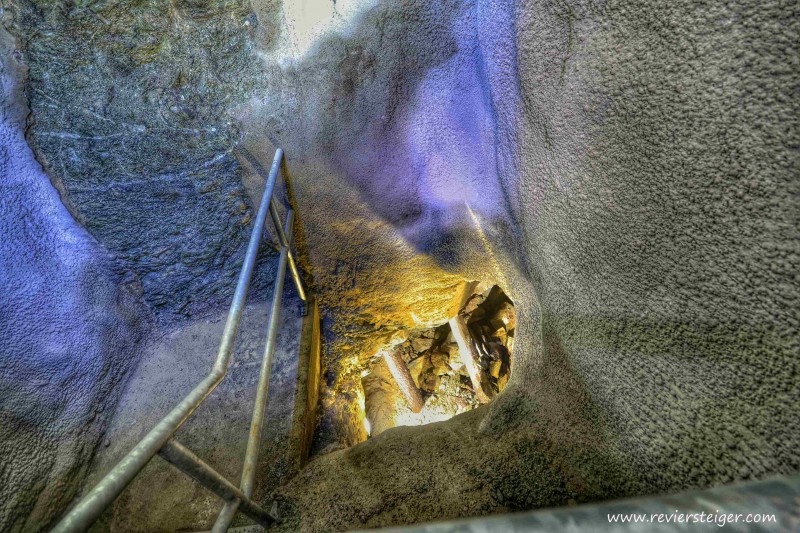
column 627, row 174
column 71, row 318
column 657, row 180
column 129, row 103
column 121, row 185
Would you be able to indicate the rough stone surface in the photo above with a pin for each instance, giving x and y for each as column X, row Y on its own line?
column 628, row 175
column 438, row 371
column 656, row 187
column 633, row 171
column 129, row 103
column 71, row 319
column 448, row 470
column 729, row 507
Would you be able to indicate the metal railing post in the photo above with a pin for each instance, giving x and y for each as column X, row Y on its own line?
column 187, row 462
column 232, row 325
column 285, row 241
column 89, row 508
column 259, row 409
column 276, row 220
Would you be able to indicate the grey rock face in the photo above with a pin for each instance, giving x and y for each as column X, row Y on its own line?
column 629, row 176
column 71, row 319
column 656, row 183
column 640, row 193
column 129, row 104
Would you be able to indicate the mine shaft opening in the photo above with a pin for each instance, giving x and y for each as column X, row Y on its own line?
column 441, row 371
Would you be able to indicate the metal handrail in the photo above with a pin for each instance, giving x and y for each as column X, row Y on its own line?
column 160, row 439
column 254, row 441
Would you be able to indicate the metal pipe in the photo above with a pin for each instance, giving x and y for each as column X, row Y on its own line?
column 226, row 516
column 187, row 462
column 95, row 502
column 254, row 440
column 259, row 409
column 276, row 219
column 232, row 325
column 285, row 241
column 107, row 489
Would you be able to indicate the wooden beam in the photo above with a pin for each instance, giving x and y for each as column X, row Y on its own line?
column 470, row 358
column 402, row 376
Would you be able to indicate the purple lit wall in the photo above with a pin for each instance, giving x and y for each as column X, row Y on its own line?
column 70, row 323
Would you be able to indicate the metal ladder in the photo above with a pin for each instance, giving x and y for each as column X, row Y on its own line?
column 160, row 439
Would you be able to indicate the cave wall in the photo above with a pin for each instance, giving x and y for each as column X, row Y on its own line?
column 130, row 121
column 628, row 174
column 657, row 179
column 123, row 203
column 71, row 319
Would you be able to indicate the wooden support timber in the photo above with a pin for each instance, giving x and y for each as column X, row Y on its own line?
column 470, row 358
column 402, row 376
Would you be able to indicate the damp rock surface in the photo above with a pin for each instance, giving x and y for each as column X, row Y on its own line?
column 129, row 118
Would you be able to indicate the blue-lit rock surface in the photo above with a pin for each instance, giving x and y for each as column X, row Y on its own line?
column 129, row 104
column 71, row 321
